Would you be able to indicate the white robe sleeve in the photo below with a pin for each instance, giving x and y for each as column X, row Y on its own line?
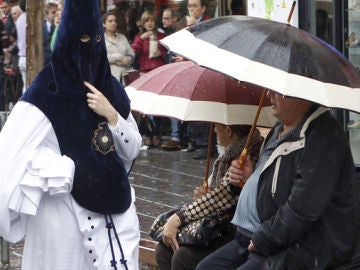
column 127, row 139
column 31, row 164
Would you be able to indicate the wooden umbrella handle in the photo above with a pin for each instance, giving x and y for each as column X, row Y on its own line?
column 244, row 152
column 291, row 12
column 208, row 157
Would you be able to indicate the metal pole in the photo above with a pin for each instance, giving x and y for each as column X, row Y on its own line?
column 5, row 252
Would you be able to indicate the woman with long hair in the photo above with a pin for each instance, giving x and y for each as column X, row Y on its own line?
column 119, row 52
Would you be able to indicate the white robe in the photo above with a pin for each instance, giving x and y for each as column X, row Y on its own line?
column 35, row 200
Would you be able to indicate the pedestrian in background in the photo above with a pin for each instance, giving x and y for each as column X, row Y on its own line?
column 49, row 27
column 150, row 54
column 119, row 52
column 198, row 132
column 21, row 42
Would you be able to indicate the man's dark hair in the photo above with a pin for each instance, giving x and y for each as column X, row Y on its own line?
column 22, row 5
column 203, row 3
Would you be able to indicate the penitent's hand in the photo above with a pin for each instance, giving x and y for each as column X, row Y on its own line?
column 100, row 105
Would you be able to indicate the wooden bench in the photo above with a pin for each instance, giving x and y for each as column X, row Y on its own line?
column 147, row 253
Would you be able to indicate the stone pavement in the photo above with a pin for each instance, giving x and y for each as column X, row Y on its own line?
column 162, row 180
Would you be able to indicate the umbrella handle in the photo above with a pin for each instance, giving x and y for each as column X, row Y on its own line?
column 244, row 152
column 205, row 185
column 291, row 12
column 242, row 158
column 208, row 157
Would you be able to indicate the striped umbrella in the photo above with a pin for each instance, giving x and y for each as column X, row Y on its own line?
column 189, row 92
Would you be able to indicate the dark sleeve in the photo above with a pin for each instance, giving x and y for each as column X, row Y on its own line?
column 137, row 45
column 162, row 49
column 4, row 41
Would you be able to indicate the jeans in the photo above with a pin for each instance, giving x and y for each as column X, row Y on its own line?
column 175, row 134
column 232, row 256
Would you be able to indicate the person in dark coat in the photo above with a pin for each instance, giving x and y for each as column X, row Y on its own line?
column 48, row 29
column 299, row 208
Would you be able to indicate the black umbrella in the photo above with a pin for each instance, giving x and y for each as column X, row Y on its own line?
column 273, row 55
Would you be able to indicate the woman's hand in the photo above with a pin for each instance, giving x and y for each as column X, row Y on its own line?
column 157, row 53
column 199, row 191
column 126, row 61
column 100, row 105
column 146, row 35
column 238, row 176
column 170, row 232
column 119, row 63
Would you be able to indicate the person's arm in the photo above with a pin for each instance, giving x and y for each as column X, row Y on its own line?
column 127, row 138
column 129, row 53
column 161, row 48
column 32, row 165
column 218, row 201
column 137, row 45
column 114, row 57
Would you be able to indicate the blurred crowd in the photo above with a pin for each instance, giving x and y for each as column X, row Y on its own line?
column 11, row 48
column 132, row 33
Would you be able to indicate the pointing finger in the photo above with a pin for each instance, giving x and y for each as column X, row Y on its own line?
column 91, row 87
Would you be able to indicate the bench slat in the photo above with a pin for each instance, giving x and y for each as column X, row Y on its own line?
column 147, row 252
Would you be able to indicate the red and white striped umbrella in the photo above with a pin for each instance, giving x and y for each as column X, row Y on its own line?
column 189, row 92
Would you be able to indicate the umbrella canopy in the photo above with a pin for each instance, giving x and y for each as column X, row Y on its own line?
column 189, row 92
column 273, row 55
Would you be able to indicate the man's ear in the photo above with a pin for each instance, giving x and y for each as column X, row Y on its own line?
column 203, row 8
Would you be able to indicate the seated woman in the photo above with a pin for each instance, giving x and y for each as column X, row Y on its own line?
column 171, row 255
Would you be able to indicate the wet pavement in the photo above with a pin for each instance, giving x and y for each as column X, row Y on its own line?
column 162, row 181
